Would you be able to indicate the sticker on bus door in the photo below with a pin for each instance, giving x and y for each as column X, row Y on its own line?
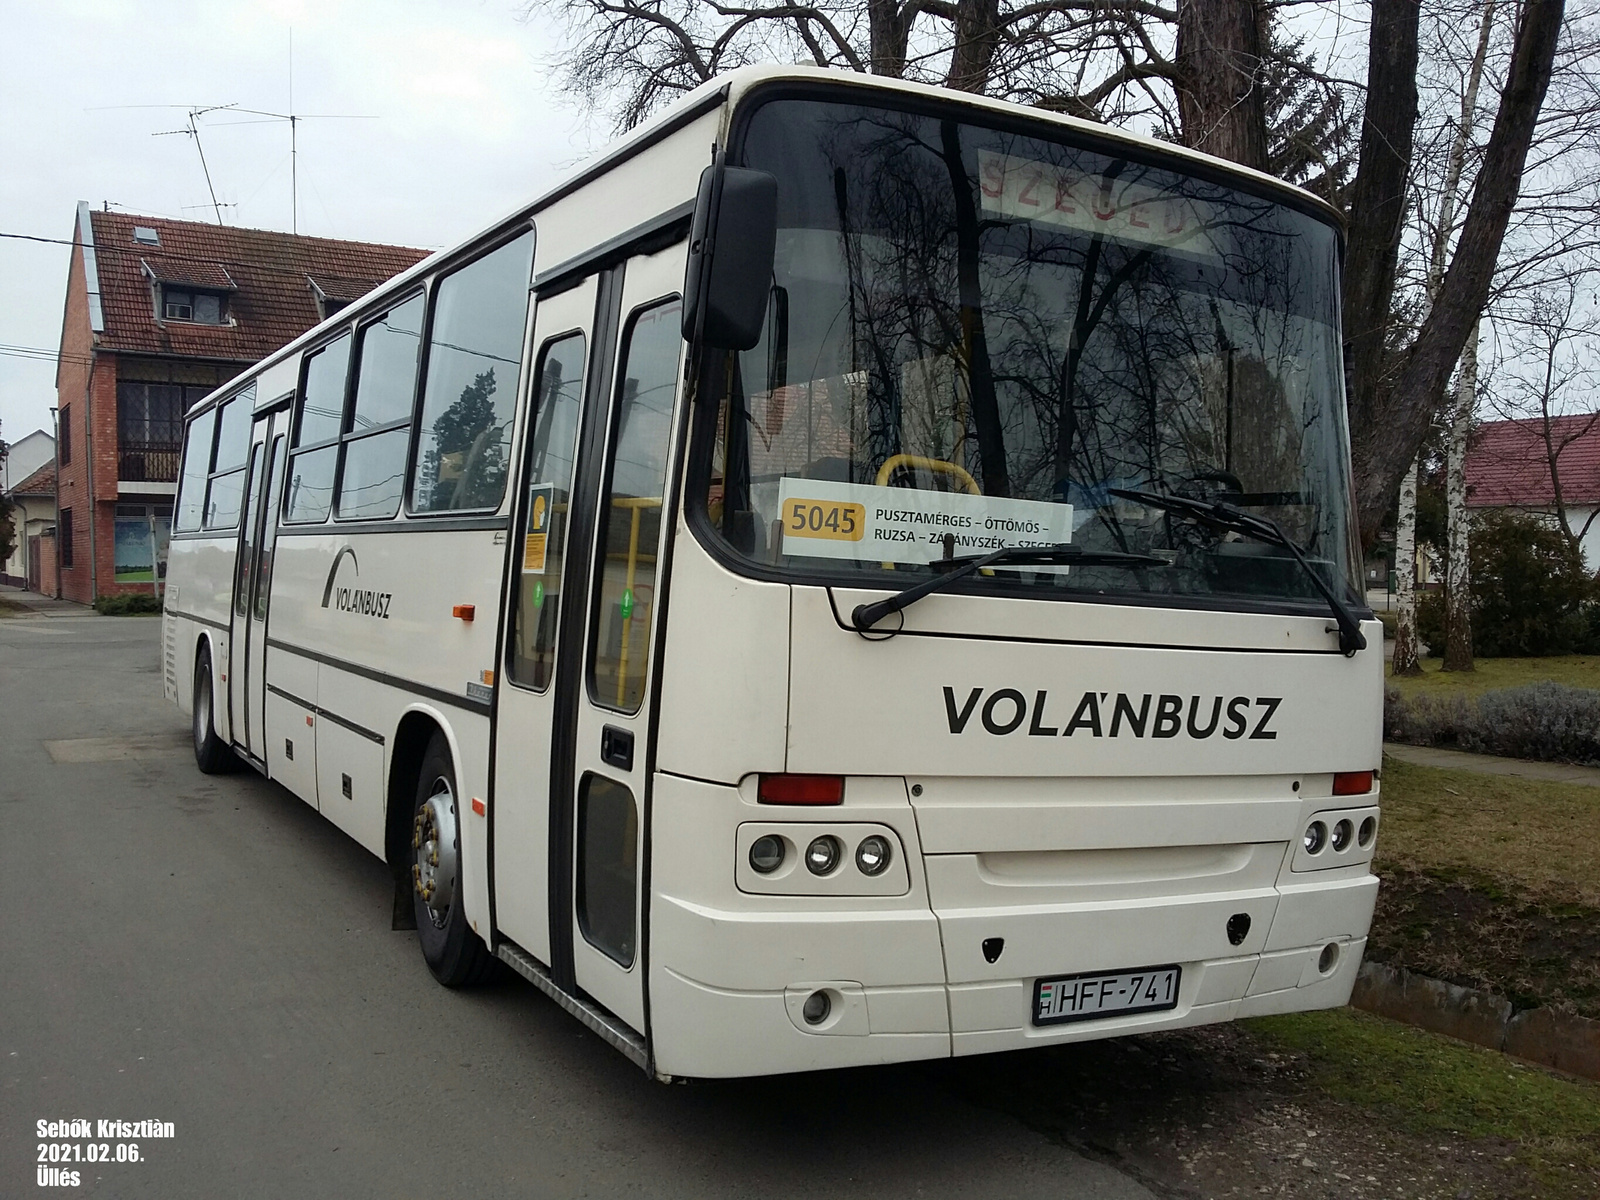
column 541, row 504
column 827, row 519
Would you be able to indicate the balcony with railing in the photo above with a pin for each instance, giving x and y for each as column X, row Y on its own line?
column 148, row 462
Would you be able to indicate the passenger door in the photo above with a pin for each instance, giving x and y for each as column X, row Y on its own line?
column 526, row 701
column 258, row 533
column 574, row 717
column 611, row 710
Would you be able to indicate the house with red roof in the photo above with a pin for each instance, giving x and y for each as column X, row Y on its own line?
column 33, row 517
column 1539, row 466
column 158, row 313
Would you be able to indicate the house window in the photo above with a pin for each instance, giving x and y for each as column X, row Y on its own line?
column 66, row 434
column 64, row 537
column 203, row 308
column 150, row 428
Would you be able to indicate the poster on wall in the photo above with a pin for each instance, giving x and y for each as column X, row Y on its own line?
column 135, row 551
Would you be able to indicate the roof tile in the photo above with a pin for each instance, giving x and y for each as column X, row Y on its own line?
column 41, row 483
column 273, row 303
column 1508, row 464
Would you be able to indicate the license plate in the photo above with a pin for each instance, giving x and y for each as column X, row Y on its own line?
column 1063, row 998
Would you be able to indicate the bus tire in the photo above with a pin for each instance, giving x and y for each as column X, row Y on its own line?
column 454, row 953
column 211, row 754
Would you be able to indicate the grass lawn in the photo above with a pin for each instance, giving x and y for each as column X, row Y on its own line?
column 1430, row 1085
column 1535, row 838
column 1575, row 670
column 1491, row 881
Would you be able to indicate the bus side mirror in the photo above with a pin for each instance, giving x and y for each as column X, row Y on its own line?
column 731, row 246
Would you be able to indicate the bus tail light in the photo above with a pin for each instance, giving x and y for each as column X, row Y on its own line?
column 801, row 789
column 1352, row 783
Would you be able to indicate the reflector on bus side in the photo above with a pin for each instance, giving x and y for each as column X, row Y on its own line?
column 801, row 789
column 1352, row 783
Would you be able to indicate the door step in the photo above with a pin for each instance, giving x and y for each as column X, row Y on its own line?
column 596, row 1018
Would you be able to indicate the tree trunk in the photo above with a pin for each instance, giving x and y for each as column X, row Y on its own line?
column 1458, row 568
column 977, row 30
column 1381, row 450
column 1220, row 105
column 889, row 31
column 1406, row 655
column 1377, row 219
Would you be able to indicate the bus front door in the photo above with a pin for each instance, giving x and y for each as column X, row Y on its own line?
column 583, row 629
column 525, row 717
column 252, row 581
column 606, row 791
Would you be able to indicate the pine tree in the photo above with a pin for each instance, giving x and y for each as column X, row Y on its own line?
column 466, row 462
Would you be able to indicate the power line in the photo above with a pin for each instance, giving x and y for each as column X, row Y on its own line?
column 40, row 354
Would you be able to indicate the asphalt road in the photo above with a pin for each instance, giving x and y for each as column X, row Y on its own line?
column 209, row 952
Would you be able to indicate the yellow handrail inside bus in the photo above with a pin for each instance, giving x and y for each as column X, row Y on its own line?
column 937, row 465
column 636, row 504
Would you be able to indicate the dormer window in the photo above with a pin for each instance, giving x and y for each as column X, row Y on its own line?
column 203, row 308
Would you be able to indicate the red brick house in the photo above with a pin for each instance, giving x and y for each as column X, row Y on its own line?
column 1508, row 466
column 158, row 313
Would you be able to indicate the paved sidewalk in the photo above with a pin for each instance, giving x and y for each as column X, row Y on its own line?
column 1490, row 764
column 45, row 606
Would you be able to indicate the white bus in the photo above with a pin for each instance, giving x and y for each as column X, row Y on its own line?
column 858, row 573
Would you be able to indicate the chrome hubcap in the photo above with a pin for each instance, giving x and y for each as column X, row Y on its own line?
column 433, row 838
column 202, row 712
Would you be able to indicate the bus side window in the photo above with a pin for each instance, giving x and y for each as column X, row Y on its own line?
column 630, row 510
column 225, row 489
column 316, row 435
column 551, row 450
column 196, row 466
column 372, row 478
column 474, row 355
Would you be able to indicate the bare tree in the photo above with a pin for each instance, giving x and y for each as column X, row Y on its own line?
column 1553, row 360
column 1194, row 68
column 1407, row 656
column 1390, row 419
column 1458, row 562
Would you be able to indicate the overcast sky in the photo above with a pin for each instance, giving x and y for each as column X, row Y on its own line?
column 467, row 127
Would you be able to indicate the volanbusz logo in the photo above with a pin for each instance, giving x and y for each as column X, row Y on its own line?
column 362, row 601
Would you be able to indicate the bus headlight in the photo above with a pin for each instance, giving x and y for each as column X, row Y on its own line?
column 766, row 854
column 822, row 856
column 872, row 855
column 1316, row 837
column 1343, row 834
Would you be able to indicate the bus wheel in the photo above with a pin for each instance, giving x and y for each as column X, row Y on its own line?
column 454, row 953
column 211, row 755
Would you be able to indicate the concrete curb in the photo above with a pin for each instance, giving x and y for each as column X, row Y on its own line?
column 1540, row 1035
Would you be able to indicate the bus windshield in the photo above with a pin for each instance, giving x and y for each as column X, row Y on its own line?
column 977, row 337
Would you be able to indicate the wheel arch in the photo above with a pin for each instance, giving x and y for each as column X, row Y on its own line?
column 415, row 730
column 202, row 645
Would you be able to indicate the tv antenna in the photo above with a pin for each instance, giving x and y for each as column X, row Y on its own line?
column 191, row 129
column 294, row 120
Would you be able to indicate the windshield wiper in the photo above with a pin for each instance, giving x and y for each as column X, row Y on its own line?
column 1225, row 516
column 866, row 616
